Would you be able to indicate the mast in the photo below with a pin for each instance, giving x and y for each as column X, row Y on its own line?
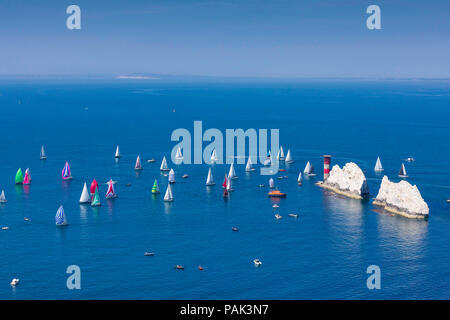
column 210, row 179
column 168, row 197
column 138, row 165
column 60, row 217
column 155, row 188
column 171, row 176
column 289, row 157
column 42, row 155
column 164, row 166
column 85, row 198
column 2, row 197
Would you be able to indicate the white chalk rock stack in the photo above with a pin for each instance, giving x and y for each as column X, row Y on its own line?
column 350, row 180
column 402, row 198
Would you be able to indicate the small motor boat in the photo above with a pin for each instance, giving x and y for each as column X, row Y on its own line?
column 257, row 262
column 200, row 268
column 234, row 229
column 14, row 282
column 278, row 216
column 185, row 176
column 179, row 267
column 275, row 206
column 293, row 215
column 411, row 159
column 448, row 200
column 149, row 254
column 276, row 194
column 261, row 186
column 279, row 178
column 151, row 160
column 5, row 228
column 281, row 170
column 285, row 177
column 128, row 185
column 26, row 219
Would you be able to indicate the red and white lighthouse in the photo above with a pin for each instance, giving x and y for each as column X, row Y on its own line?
column 326, row 166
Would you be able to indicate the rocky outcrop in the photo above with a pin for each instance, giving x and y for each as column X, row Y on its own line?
column 401, row 198
column 349, row 181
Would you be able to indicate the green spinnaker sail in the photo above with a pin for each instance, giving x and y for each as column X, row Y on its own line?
column 155, row 188
column 19, row 176
column 96, row 200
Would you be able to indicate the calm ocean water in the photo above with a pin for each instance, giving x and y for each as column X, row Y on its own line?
column 322, row 255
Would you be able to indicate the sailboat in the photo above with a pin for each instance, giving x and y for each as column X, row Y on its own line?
column 229, row 187
column 289, row 157
column 27, row 178
column 280, row 154
column 138, row 165
column 168, row 197
column 117, row 155
column 402, row 172
column 60, row 217
column 66, row 172
column 42, row 155
column 110, row 193
column 179, row 155
column 94, row 186
column 96, row 199
column 210, row 179
column 225, row 181
column 2, row 197
column 309, row 170
column 164, row 166
column 299, row 179
column 171, row 176
column 378, row 166
column 268, row 160
column 249, row 167
column 19, row 176
column 155, row 189
column 271, row 183
column 214, row 156
column 232, row 173
column 85, row 197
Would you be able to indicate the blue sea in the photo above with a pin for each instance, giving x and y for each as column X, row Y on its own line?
column 324, row 254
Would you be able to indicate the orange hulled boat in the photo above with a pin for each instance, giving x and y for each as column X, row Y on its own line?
column 276, row 193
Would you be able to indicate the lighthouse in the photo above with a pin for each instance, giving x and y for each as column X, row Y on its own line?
column 326, row 166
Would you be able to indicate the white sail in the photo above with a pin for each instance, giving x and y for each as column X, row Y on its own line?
column 164, row 166
column 2, row 197
column 232, row 173
column 179, row 155
column 289, row 157
column 299, row 179
column 271, row 183
column 214, row 156
column 378, row 166
column 268, row 161
column 43, row 156
column 210, row 179
column 168, row 197
column 171, row 176
column 402, row 172
column 117, row 155
column 249, row 166
column 307, row 168
column 229, row 185
column 281, row 153
column 85, row 196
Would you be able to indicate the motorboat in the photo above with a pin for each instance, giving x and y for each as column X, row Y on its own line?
column 276, row 194
column 257, row 262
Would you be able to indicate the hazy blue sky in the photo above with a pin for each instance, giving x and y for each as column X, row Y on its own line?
column 287, row 38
